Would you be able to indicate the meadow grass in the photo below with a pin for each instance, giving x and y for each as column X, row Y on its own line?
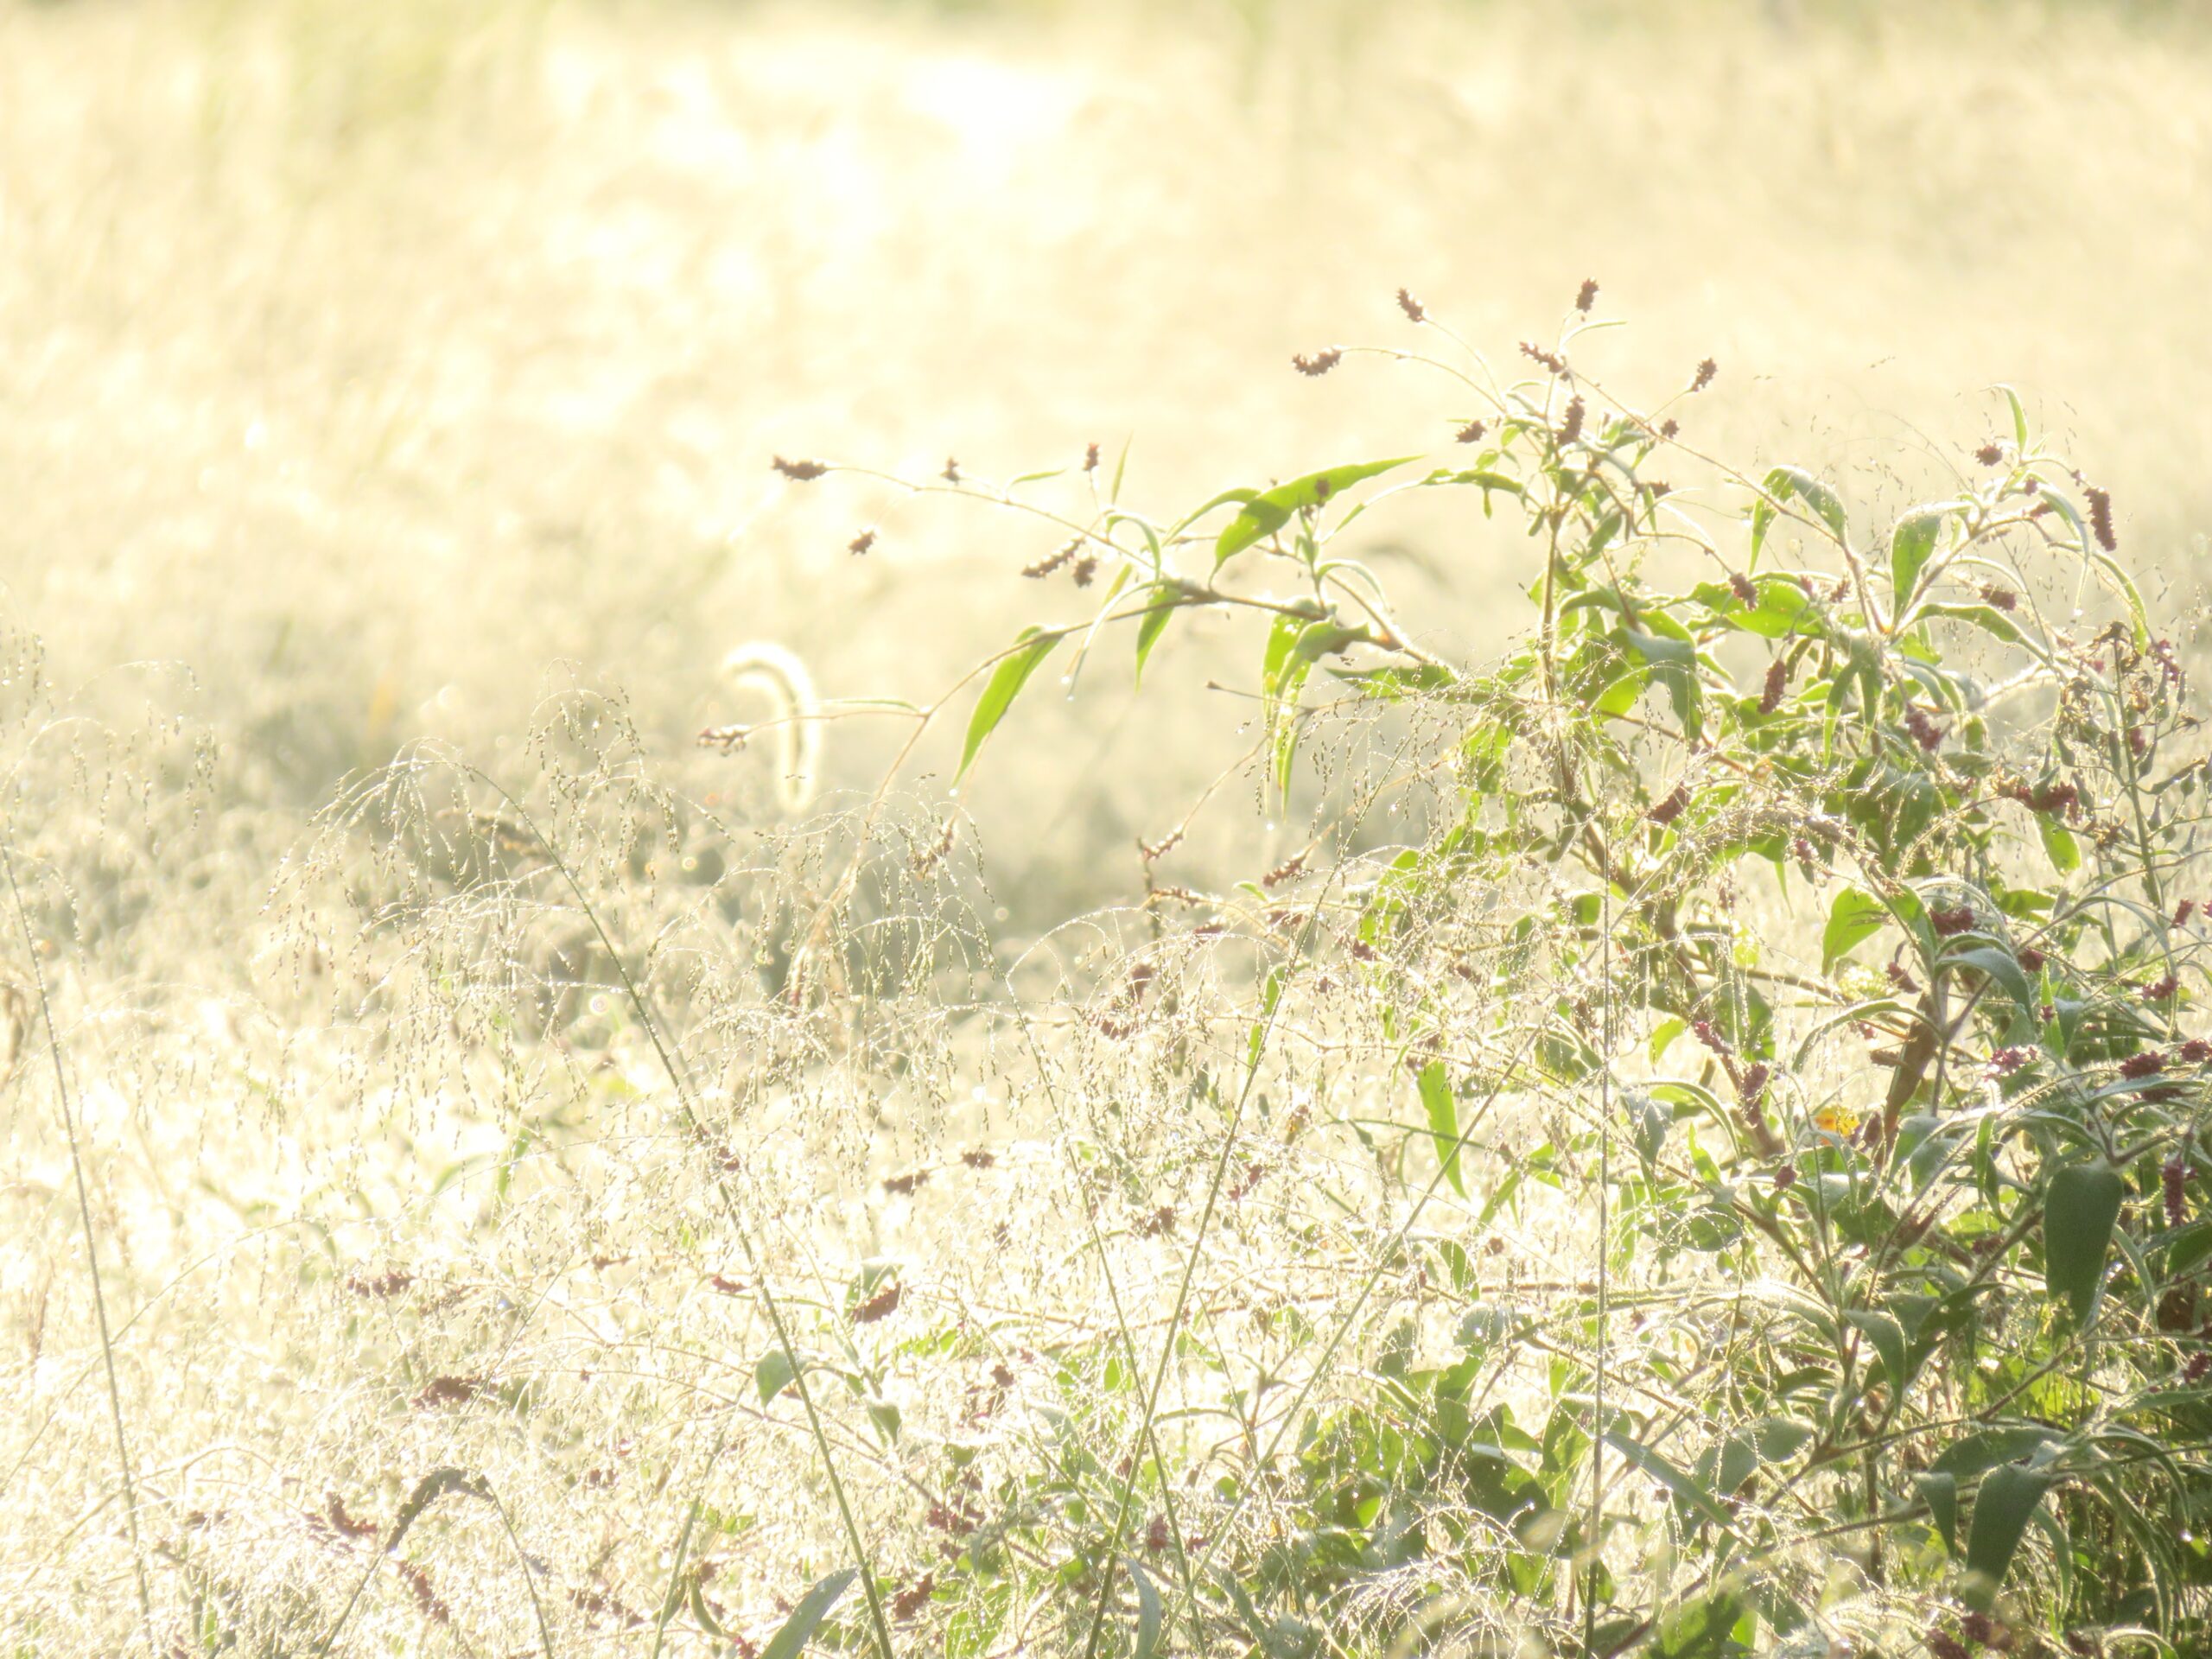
column 519, row 1226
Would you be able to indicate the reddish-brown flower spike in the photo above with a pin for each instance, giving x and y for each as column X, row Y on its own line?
column 1705, row 371
column 2162, row 989
column 804, row 471
column 1045, row 566
column 2197, row 1366
column 1473, row 432
column 1744, row 587
column 1707, row 1033
column 2148, row 1063
column 952, row 473
column 1588, row 296
column 1318, row 363
column 1785, row 1178
column 1411, row 307
column 862, row 542
column 1942, row 1644
column 1670, row 427
column 1777, row 682
column 1950, row 922
column 2101, row 519
column 1085, row 568
column 1550, row 359
column 1570, row 430
column 1990, row 454
column 1090, row 458
column 910, row 1601
column 2002, row 599
column 2032, row 960
column 1754, row 1087
column 1672, row 808
column 2173, row 1176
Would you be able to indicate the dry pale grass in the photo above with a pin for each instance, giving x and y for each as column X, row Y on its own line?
column 380, row 375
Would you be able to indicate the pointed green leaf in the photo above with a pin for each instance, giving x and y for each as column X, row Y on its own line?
column 1941, row 1493
column 1983, row 1450
column 1987, row 618
column 2078, row 1215
column 1782, row 484
column 1689, row 1491
column 1999, row 965
column 2058, row 844
column 1159, row 605
column 1888, row 1338
column 1000, row 691
column 1443, row 1121
column 1911, row 544
column 1148, row 1610
column 814, row 1606
column 1265, row 514
column 774, row 1374
column 1854, row 917
column 2001, row 1511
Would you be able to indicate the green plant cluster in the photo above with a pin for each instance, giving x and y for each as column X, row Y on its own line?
column 1834, row 890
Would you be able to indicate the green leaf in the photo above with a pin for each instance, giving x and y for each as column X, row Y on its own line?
column 2019, row 415
column 1393, row 684
column 1999, row 965
column 2058, row 844
column 1910, row 546
column 1704, row 1629
column 1782, row 484
column 2001, row 1511
column 1853, row 918
column 2077, row 1221
column 1987, row 618
column 1148, row 1610
column 1941, row 1493
column 1265, row 514
column 774, row 1374
column 1689, row 1491
column 1983, row 1450
column 814, row 1606
column 1443, row 1121
column 1160, row 604
column 1888, row 1338
column 1004, row 685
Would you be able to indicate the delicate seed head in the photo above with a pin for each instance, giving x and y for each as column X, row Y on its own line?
column 1588, row 296
column 1411, row 307
column 804, row 471
column 1705, row 371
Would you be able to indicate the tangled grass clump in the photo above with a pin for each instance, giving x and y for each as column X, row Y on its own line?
column 1699, row 1152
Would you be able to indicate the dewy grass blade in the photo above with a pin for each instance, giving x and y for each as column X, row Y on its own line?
column 91, row 1250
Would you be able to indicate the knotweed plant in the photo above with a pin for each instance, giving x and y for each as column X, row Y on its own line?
column 1694, row 1150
